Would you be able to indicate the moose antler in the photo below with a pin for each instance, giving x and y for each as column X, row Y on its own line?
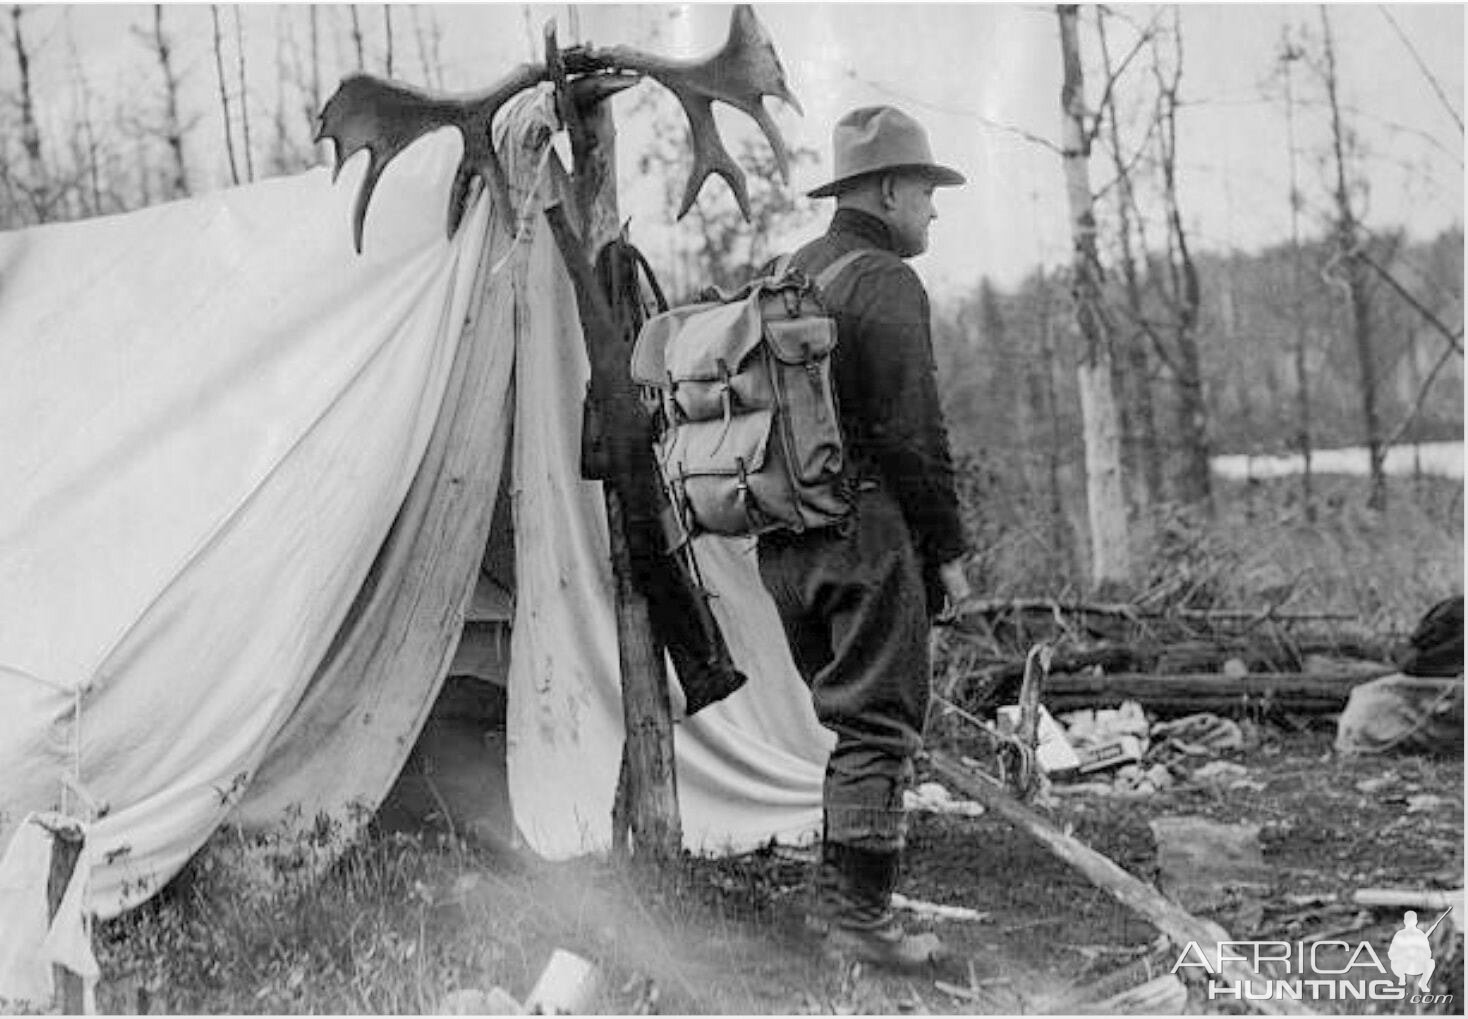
column 385, row 117
column 741, row 74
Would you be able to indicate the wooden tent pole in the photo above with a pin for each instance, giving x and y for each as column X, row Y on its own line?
column 66, row 849
column 645, row 818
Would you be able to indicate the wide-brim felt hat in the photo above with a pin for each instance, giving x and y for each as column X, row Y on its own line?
column 875, row 139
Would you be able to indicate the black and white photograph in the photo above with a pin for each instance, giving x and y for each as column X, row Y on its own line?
column 678, row 509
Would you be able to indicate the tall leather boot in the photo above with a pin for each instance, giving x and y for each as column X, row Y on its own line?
column 852, row 910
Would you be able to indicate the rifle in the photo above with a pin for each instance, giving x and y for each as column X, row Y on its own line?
column 616, row 449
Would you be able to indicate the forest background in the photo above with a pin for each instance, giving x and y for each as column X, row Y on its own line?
column 1277, row 194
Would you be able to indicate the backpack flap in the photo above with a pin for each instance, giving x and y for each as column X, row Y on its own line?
column 800, row 365
column 649, row 353
column 705, row 363
column 801, row 341
column 719, row 473
column 726, row 333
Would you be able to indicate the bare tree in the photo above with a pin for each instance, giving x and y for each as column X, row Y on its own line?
column 1040, row 427
column 234, row 168
column 1304, row 440
column 315, row 97
column 173, row 127
column 1349, row 270
column 1106, row 499
column 142, row 167
column 1141, row 449
column 387, row 35
column 357, row 37
column 428, row 46
column 35, row 187
column 239, row 42
column 1194, row 479
column 282, row 150
column 87, row 145
column 305, row 76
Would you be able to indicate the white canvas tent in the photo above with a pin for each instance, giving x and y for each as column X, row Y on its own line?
column 233, row 450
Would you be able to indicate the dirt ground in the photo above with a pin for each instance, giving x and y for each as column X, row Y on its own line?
column 403, row 923
column 1322, row 839
column 727, row 936
column 1051, row 941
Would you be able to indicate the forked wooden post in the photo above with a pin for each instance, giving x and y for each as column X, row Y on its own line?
column 645, row 818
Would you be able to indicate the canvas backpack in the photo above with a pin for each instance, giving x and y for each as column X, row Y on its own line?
column 748, row 436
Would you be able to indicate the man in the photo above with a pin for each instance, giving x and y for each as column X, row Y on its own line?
column 856, row 600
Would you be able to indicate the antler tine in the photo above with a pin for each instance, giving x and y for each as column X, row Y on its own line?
column 741, row 73
column 385, row 117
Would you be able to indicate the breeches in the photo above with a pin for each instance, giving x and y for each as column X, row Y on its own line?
column 852, row 603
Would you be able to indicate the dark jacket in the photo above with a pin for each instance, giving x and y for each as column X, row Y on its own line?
column 885, row 381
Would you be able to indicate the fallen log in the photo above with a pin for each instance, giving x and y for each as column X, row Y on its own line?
column 1004, row 606
column 1411, row 898
column 1301, row 693
column 1179, row 926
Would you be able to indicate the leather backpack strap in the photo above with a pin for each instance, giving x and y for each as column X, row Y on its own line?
column 831, row 273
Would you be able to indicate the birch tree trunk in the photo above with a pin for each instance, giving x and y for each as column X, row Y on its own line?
column 1105, row 495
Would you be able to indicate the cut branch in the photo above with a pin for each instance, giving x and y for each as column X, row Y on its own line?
column 1179, row 926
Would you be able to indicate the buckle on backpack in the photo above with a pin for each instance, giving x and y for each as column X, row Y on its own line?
column 726, row 402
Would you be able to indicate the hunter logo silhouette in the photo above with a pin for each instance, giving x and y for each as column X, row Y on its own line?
column 1410, row 953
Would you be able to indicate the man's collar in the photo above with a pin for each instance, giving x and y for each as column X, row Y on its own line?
column 863, row 225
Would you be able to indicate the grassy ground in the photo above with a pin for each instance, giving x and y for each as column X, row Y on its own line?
column 401, row 922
